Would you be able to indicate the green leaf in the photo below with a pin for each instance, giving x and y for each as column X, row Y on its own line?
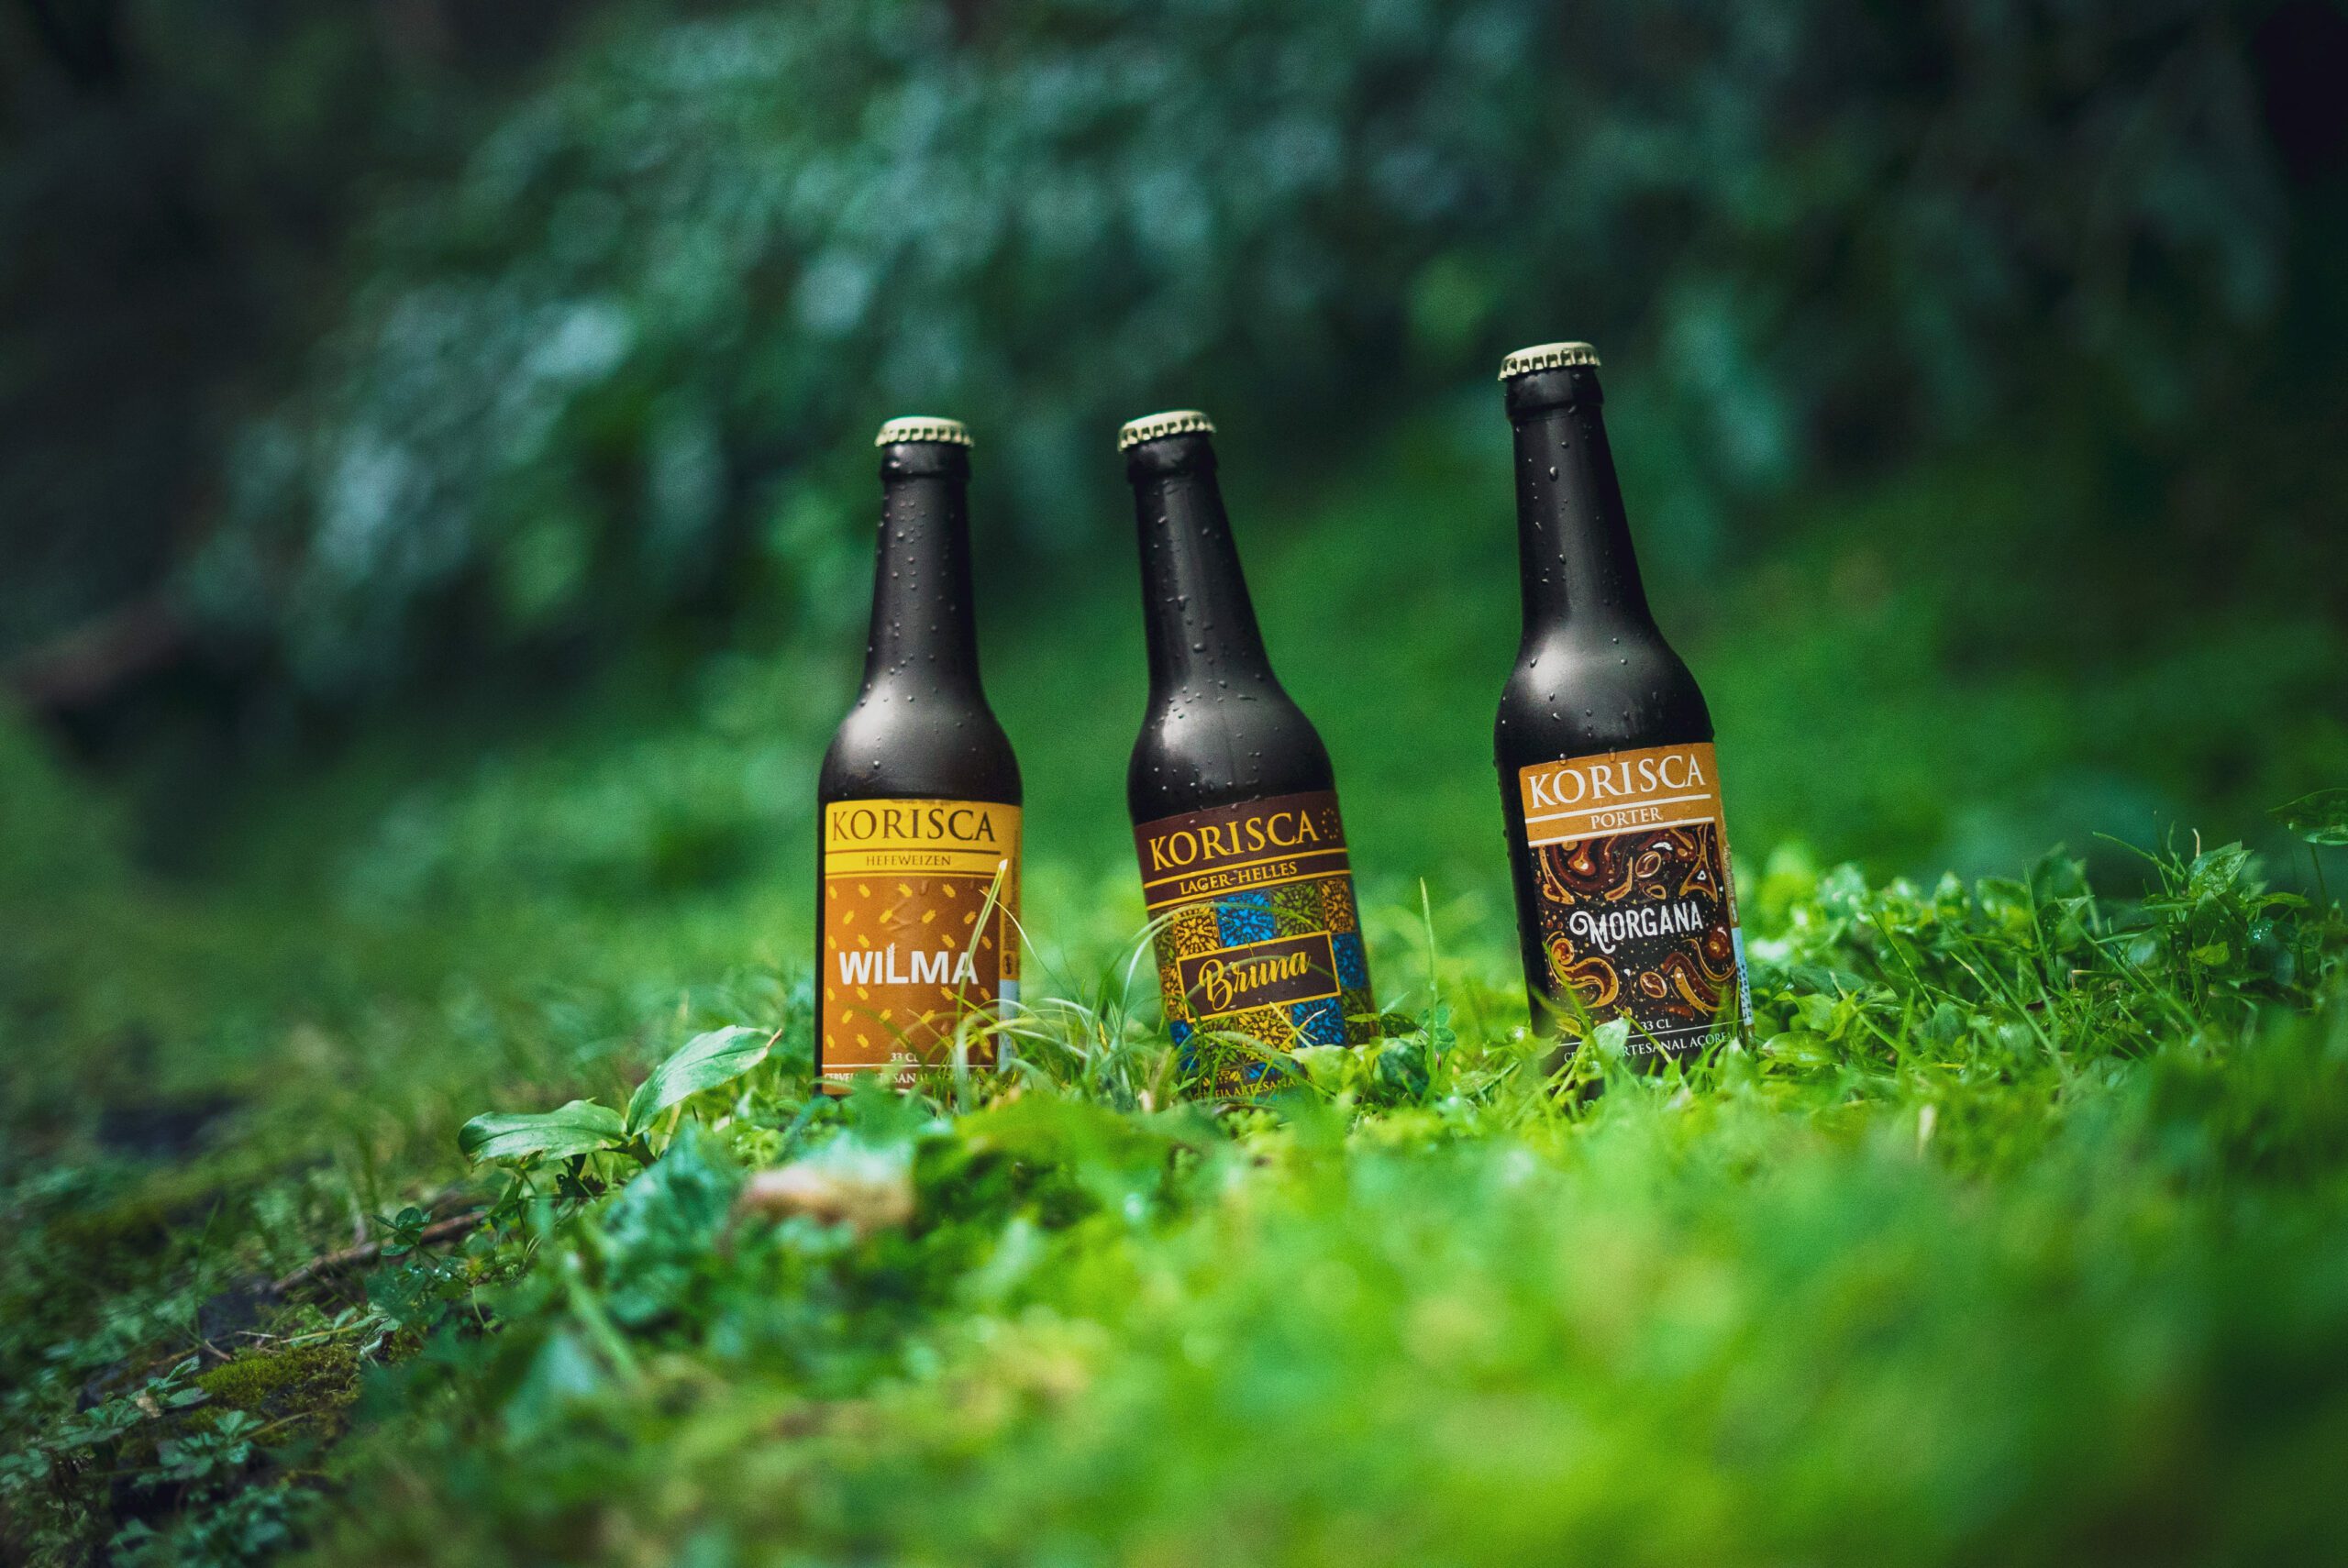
column 2212, row 954
column 1798, row 1046
column 703, row 1062
column 2215, row 872
column 1324, row 1067
column 579, row 1128
column 2320, row 818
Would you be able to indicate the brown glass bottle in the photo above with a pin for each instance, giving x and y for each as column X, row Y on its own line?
column 1625, row 904
column 1244, row 863
column 917, row 876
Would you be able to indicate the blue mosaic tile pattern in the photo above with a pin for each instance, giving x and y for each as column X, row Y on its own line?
column 1321, row 1023
column 1245, row 917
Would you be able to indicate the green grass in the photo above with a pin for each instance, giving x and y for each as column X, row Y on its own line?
column 2015, row 1237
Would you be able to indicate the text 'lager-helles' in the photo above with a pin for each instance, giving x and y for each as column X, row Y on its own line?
column 1244, row 864
column 1625, row 904
column 918, row 939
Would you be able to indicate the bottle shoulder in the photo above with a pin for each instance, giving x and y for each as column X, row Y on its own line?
column 1201, row 750
column 899, row 744
column 1579, row 694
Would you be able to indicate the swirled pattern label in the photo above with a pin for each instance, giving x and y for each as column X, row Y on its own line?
column 1257, row 933
column 1636, row 902
column 920, row 919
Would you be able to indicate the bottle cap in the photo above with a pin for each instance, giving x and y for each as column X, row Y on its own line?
column 1173, row 422
column 924, row 428
column 1547, row 357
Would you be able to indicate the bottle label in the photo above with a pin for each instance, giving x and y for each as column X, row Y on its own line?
column 1635, row 897
column 921, row 909
column 1256, row 929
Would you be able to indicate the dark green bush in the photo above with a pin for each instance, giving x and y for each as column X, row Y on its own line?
column 629, row 359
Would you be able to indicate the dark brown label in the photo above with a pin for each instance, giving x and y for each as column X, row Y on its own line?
column 1633, row 894
column 1260, row 974
column 1258, row 930
column 920, row 919
column 1204, row 853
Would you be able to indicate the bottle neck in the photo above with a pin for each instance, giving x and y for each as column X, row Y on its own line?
column 1573, row 535
column 924, row 635
column 1201, row 624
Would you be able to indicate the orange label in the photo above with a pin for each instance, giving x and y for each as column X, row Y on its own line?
column 1661, row 787
column 920, row 919
column 1633, row 892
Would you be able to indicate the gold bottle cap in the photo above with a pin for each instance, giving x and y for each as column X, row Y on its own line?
column 1173, row 422
column 1547, row 357
column 924, row 428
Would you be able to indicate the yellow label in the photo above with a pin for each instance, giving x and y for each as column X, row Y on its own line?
column 920, row 923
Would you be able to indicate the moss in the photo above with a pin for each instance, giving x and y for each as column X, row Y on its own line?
column 319, row 1383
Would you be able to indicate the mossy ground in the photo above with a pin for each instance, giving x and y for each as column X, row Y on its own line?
column 313, row 1383
column 2016, row 1235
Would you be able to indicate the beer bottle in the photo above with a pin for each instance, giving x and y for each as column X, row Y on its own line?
column 919, row 798
column 1624, row 903
column 1244, row 865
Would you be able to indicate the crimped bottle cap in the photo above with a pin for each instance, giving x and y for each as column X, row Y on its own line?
column 924, row 428
column 1547, row 357
column 1173, row 422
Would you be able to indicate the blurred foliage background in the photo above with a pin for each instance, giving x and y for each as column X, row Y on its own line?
column 434, row 437
column 436, row 519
